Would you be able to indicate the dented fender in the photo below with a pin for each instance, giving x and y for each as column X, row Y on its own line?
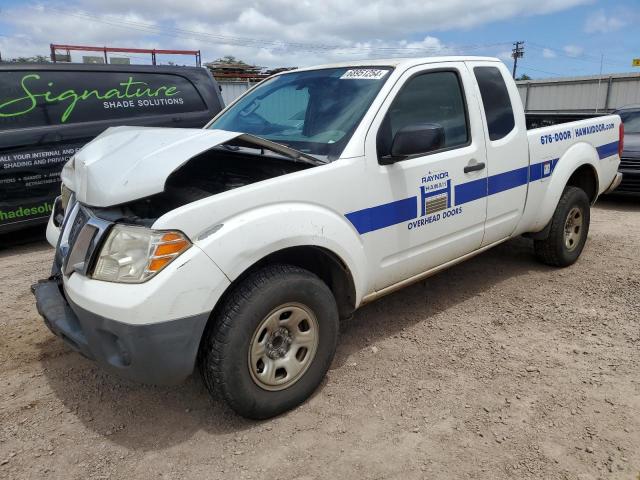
column 250, row 236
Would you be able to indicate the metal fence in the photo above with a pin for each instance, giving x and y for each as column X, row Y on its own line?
column 580, row 94
column 232, row 90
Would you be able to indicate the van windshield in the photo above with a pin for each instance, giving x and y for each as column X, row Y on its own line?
column 315, row 111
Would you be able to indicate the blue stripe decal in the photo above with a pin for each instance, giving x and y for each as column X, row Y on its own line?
column 470, row 191
column 508, row 180
column 536, row 171
column 388, row 214
column 607, row 150
column 382, row 216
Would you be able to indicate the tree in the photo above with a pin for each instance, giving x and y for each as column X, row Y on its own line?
column 34, row 59
column 229, row 60
column 524, row 76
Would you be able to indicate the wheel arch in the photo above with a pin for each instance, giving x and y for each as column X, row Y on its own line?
column 585, row 177
column 578, row 167
column 328, row 266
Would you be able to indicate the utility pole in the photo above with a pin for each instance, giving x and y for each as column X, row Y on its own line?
column 516, row 53
column 599, row 80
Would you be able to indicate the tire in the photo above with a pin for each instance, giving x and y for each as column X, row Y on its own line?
column 567, row 236
column 261, row 330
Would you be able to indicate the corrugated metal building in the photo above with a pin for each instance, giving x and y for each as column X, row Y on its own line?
column 555, row 95
column 232, row 90
column 580, row 94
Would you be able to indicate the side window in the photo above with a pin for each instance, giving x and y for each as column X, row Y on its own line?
column 435, row 97
column 497, row 104
column 50, row 97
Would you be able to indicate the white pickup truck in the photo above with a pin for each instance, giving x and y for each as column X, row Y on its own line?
column 240, row 246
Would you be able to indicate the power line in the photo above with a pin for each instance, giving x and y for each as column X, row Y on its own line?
column 261, row 43
column 546, row 72
column 582, row 57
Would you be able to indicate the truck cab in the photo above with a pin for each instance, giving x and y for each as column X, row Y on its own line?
column 240, row 246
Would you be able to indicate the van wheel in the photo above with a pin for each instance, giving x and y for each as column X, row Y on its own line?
column 568, row 232
column 272, row 341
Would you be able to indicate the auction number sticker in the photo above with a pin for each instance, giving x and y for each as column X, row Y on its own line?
column 364, row 74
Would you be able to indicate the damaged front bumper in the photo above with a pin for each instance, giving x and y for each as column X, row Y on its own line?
column 161, row 353
column 148, row 332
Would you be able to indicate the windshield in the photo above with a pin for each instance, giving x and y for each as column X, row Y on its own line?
column 314, row 111
column 631, row 121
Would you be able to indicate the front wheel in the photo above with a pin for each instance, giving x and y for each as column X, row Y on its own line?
column 272, row 341
column 568, row 231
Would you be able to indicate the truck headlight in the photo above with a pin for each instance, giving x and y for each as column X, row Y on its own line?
column 135, row 254
column 65, row 196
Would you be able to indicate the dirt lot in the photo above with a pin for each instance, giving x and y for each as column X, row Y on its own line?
column 497, row 368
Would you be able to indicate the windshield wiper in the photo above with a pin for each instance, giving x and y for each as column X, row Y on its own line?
column 295, row 155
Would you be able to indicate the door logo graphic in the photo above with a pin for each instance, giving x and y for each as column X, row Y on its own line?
column 435, row 193
column 435, row 200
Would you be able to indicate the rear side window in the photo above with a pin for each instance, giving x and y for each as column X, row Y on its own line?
column 496, row 101
column 40, row 98
column 434, row 97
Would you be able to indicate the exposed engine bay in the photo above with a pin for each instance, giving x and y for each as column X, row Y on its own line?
column 209, row 173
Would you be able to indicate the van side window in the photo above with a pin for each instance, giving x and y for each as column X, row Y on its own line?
column 434, row 97
column 496, row 101
column 32, row 98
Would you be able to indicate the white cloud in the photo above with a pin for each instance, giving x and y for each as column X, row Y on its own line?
column 600, row 22
column 267, row 32
column 573, row 50
column 548, row 53
column 37, row 28
column 504, row 55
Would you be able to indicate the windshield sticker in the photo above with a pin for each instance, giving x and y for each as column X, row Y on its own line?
column 364, row 74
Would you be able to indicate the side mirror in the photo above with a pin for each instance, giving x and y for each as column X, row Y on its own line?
column 413, row 140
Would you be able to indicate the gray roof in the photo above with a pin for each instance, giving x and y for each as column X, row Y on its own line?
column 586, row 78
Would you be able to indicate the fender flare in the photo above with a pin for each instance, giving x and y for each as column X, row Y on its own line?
column 575, row 157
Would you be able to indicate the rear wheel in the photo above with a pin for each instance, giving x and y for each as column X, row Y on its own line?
column 568, row 231
column 272, row 341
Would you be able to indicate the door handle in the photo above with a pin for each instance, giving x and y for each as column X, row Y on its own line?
column 474, row 167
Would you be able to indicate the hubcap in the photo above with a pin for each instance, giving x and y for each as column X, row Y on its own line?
column 283, row 346
column 573, row 229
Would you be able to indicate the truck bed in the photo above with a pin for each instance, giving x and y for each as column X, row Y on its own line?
column 548, row 119
column 595, row 139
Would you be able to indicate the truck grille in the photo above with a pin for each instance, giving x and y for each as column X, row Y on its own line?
column 76, row 226
column 85, row 232
column 627, row 163
column 629, row 184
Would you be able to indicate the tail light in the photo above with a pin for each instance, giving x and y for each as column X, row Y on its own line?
column 621, row 140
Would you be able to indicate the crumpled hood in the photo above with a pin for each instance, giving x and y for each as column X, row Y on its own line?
column 128, row 163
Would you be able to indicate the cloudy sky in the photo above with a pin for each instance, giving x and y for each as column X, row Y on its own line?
column 562, row 37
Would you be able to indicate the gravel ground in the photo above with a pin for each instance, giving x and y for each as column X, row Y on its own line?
column 497, row 368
